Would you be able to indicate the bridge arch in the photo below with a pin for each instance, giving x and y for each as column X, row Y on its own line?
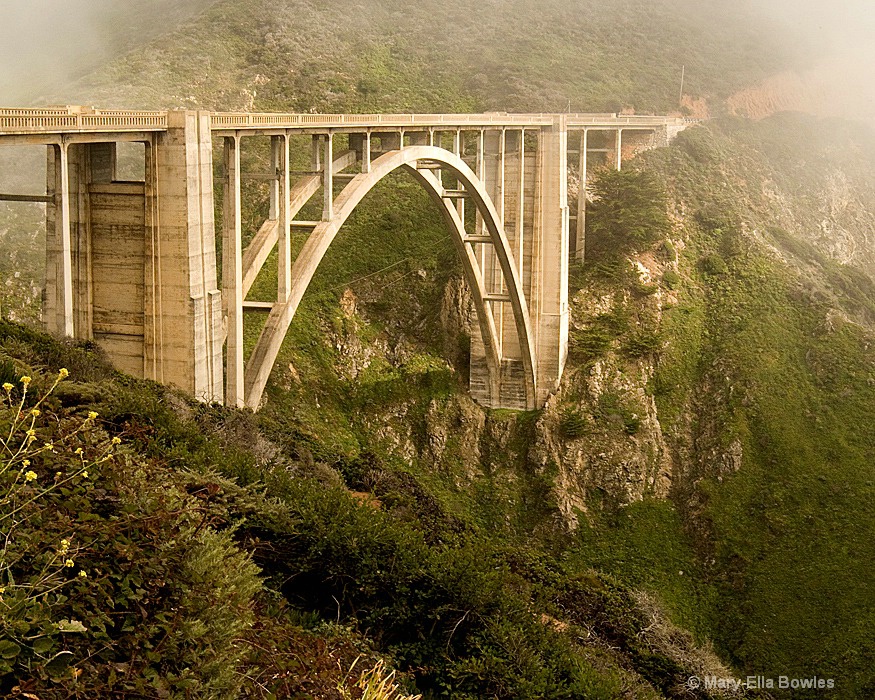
column 420, row 161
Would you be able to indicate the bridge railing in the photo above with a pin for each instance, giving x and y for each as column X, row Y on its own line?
column 235, row 120
column 232, row 120
column 79, row 119
column 54, row 119
column 47, row 111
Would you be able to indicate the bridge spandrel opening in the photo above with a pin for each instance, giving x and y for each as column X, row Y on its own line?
column 23, row 201
column 343, row 170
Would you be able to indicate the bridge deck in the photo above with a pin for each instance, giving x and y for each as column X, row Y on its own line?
column 78, row 120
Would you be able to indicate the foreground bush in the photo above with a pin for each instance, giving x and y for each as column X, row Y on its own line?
column 114, row 577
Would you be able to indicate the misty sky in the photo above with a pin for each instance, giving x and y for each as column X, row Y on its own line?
column 47, row 41
column 41, row 37
column 834, row 20
column 43, row 42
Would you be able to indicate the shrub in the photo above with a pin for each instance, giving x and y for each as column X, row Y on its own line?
column 642, row 342
column 667, row 251
column 671, row 279
column 713, row 264
column 572, row 423
column 612, row 409
column 111, row 564
column 629, row 212
column 35, row 570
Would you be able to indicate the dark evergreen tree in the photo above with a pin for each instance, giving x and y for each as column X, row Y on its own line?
column 629, row 213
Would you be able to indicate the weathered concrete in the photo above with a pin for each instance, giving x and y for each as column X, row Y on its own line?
column 133, row 265
column 551, row 247
column 186, row 304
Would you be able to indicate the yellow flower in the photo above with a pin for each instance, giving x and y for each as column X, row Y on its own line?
column 82, row 574
column 69, row 563
column 25, row 380
column 30, row 476
column 92, row 415
column 85, row 474
column 50, row 446
column 78, row 451
column 25, row 463
column 35, row 412
column 7, row 387
column 65, row 545
column 2, row 589
column 116, row 441
column 63, row 373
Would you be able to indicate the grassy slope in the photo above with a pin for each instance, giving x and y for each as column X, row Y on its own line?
column 764, row 389
column 171, row 603
column 776, row 368
column 509, row 55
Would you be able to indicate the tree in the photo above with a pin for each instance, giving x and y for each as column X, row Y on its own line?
column 629, row 212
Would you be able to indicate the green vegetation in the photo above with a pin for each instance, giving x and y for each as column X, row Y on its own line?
column 96, row 537
column 298, row 56
column 763, row 387
column 774, row 376
column 629, row 213
column 168, row 506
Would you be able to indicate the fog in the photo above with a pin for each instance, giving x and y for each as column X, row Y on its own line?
column 44, row 43
column 837, row 23
column 839, row 80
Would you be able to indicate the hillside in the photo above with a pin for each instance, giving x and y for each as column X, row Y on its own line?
column 695, row 500
column 499, row 55
column 75, row 37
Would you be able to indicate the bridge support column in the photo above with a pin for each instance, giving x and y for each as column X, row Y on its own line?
column 279, row 210
column 580, row 240
column 550, row 301
column 186, row 316
column 232, row 273
column 619, row 149
column 58, row 310
column 328, row 179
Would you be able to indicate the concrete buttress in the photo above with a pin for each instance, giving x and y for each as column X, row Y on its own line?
column 186, row 305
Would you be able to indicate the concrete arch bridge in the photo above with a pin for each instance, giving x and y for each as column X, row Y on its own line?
column 132, row 265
